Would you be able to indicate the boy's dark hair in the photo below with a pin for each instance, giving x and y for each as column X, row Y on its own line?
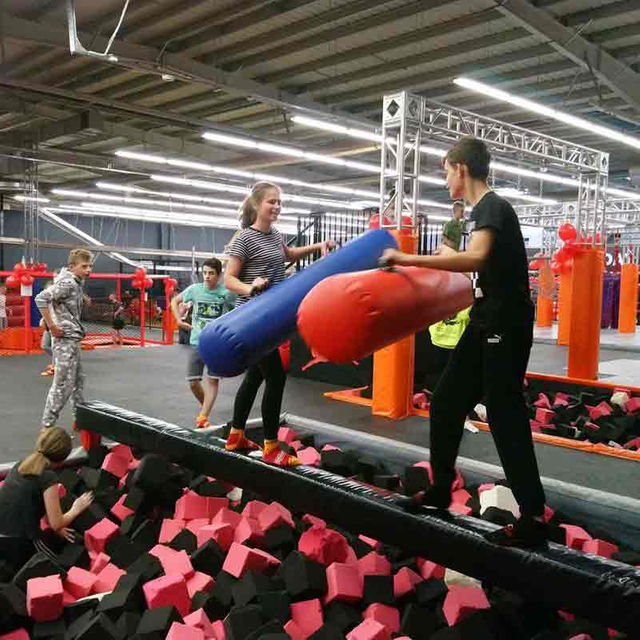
column 472, row 153
column 213, row 263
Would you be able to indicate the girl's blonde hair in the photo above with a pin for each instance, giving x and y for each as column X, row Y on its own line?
column 249, row 208
column 53, row 445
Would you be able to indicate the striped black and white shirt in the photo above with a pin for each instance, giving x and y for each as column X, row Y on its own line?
column 262, row 256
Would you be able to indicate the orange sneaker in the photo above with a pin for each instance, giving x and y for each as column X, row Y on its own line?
column 49, row 371
column 237, row 442
column 280, row 458
column 203, row 423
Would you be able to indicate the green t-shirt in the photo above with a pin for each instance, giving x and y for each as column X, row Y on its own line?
column 453, row 231
column 207, row 306
column 447, row 333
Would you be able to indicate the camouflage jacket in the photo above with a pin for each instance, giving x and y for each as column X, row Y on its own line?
column 64, row 299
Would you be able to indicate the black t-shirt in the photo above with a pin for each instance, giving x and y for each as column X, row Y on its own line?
column 504, row 278
column 22, row 503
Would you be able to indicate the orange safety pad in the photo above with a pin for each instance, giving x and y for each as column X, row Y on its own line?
column 564, row 307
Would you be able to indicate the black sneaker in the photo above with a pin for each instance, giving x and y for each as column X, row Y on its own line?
column 432, row 498
column 527, row 533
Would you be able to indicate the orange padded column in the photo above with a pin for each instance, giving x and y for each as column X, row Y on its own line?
column 544, row 316
column 393, row 366
column 564, row 307
column 628, row 298
column 586, row 313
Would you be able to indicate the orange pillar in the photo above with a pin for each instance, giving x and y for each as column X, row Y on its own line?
column 627, row 316
column 393, row 366
column 565, row 307
column 586, row 312
column 544, row 316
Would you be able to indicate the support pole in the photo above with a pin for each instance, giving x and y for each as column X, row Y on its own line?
column 586, row 312
column 627, row 317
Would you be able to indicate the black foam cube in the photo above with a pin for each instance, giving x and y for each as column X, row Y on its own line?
column 185, row 541
column 96, row 456
column 98, row 479
column 78, row 621
column 389, row 482
column 367, row 467
column 107, row 498
column 247, row 589
column 152, row 474
column 74, row 555
column 147, row 533
column 89, row 517
column 378, row 589
column 431, row 593
column 127, row 596
column 13, row 607
column 131, row 523
column 342, row 616
column 418, row 622
column 56, row 630
column 415, row 479
column 155, row 623
column 208, row 558
column 304, row 579
column 499, row 516
column 242, row 621
column 38, row 566
column 360, row 547
column 7, row 571
column 327, row 632
column 273, row 627
column 135, row 499
column 337, row 462
column 128, row 623
column 281, row 537
column 147, row 566
column 100, row 627
column 70, row 480
column 275, row 605
column 123, row 552
column 211, row 490
column 223, row 588
column 477, row 626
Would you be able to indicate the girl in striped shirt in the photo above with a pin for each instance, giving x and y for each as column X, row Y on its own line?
column 257, row 258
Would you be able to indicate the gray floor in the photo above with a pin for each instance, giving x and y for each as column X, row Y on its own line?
column 609, row 338
column 151, row 381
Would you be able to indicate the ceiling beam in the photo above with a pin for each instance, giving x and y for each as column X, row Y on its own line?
column 615, row 74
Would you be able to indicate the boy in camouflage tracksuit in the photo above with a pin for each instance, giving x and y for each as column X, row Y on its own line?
column 61, row 307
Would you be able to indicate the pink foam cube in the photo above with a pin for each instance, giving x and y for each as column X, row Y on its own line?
column 425, row 464
column 116, row 465
column 134, row 464
column 576, row 536
column 296, row 445
column 542, row 402
column 241, row 559
column 119, row 510
column 45, row 598
column 271, row 561
column 330, row 447
column 548, row 513
column 544, row 416
column 195, row 525
column 191, row 506
column 429, row 570
column 179, row 631
column 602, row 409
column 216, row 504
column 405, row 581
column 199, row 582
column 307, row 615
column 18, row 634
column 374, row 564
column 173, row 562
column 385, row 615
column 599, row 548
column 167, row 591
column 309, row 519
column 107, row 579
column 462, row 509
column 253, row 509
column 561, row 400
column 200, row 620
column 99, row 562
column 286, row 434
column 369, row 629
column 122, row 451
column 294, row 631
column 462, row 496
column 67, row 598
column 343, row 583
column 97, row 537
column 221, row 533
column 323, row 545
column 274, row 516
column 536, row 427
column 219, row 632
column 485, row 487
column 309, row 456
column 633, row 444
column 249, row 530
column 632, row 405
column 170, row 529
column 374, row 544
column 79, row 582
column 226, row 516
column 462, row 601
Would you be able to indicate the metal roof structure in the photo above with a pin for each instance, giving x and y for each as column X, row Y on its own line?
column 246, row 67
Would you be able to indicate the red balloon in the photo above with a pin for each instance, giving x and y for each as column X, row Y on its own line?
column 141, row 274
column 534, row 265
column 26, row 280
column 374, row 221
column 148, row 282
column 19, row 268
column 561, row 255
column 571, row 248
column 567, row 232
column 12, row 282
column 136, row 284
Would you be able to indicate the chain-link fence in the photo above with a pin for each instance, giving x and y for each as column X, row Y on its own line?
column 114, row 314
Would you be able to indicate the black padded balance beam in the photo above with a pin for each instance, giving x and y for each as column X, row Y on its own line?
column 592, row 587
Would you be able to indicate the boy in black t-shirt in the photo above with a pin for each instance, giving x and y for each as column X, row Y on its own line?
column 492, row 355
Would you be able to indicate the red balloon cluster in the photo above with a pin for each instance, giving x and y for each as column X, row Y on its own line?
column 374, row 223
column 20, row 276
column 170, row 285
column 140, row 280
column 562, row 259
column 537, row 262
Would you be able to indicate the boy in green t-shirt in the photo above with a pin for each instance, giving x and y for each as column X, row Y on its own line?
column 210, row 300
column 454, row 228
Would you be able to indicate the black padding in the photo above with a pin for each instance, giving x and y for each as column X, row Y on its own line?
column 596, row 588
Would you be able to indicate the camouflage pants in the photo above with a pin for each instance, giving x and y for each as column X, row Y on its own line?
column 68, row 380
